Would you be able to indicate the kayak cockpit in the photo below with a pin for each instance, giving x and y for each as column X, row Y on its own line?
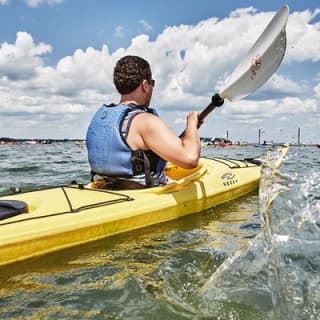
column 177, row 178
column 174, row 172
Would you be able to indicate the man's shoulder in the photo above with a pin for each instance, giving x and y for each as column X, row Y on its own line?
column 147, row 118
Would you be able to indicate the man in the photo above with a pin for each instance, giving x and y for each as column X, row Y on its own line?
column 128, row 144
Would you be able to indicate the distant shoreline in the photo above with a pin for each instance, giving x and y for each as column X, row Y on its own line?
column 17, row 141
column 6, row 140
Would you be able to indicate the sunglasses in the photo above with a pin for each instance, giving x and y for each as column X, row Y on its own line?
column 152, row 82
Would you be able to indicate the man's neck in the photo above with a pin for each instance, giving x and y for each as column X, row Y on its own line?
column 134, row 97
column 125, row 101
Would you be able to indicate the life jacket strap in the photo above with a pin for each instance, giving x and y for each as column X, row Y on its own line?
column 141, row 165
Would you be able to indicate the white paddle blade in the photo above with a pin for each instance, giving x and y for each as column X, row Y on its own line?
column 262, row 60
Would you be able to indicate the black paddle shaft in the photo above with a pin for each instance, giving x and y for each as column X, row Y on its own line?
column 216, row 101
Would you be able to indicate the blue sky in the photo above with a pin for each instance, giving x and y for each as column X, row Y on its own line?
column 57, row 59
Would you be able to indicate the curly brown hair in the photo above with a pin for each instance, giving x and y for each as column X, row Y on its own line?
column 129, row 72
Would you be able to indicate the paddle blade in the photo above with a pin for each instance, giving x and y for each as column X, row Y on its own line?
column 262, row 60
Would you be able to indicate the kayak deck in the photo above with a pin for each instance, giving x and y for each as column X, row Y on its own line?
column 66, row 216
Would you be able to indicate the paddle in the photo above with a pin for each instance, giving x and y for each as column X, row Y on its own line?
column 260, row 63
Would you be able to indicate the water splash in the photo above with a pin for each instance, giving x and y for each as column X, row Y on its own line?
column 278, row 275
column 239, row 288
column 291, row 229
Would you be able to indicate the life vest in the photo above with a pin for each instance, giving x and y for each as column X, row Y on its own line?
column 108, row 152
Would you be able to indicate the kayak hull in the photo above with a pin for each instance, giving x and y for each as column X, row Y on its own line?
column 67, row 216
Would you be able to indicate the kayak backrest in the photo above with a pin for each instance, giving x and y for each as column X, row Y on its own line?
column 176, row 173
column 11, row 208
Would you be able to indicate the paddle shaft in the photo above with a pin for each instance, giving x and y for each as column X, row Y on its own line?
column 216, row 101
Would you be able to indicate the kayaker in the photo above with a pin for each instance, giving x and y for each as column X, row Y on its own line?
column 128, row 143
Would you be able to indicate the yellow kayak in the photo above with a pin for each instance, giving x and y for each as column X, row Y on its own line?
column 56, row 218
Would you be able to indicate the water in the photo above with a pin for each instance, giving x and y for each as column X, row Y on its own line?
column 225, row 263
column 291, row 227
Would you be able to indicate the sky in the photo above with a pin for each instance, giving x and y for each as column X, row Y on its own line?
column 57, row 59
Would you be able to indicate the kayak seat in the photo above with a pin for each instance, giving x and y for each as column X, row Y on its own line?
column 176, row 173
column 11, row 208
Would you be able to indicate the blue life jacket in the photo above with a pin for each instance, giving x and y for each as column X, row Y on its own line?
column 108, row 152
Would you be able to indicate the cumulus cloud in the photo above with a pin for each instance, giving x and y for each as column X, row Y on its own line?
column 317, row 90
column 35, row 3
column 253, row 112
column 303, row 37
column 317, row 96
column 119, row 32
column 281, row 86
column 89, row 69
column 22, row 59
column 189, row 63
column 35, row 104
column 145, row 25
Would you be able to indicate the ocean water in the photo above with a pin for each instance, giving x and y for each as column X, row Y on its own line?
column 256, row 257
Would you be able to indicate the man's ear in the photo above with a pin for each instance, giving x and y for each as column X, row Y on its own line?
column 145, row 85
